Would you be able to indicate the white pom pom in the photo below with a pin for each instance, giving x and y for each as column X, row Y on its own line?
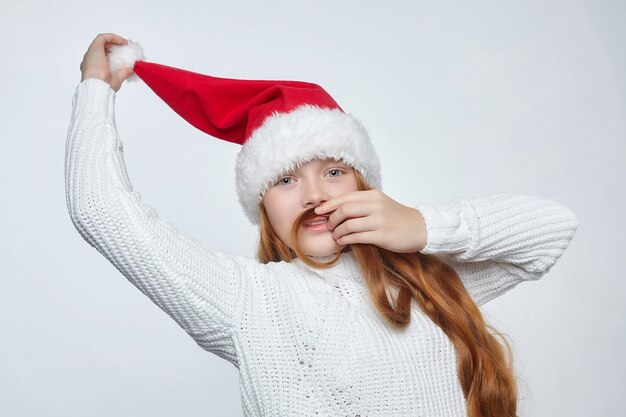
column 124, row 56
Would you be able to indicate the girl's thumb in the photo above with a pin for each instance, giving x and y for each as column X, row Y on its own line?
column 119, row 77
column 123, row 73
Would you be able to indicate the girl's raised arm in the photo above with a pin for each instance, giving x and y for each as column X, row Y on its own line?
column 496, row 241
column 199, row 288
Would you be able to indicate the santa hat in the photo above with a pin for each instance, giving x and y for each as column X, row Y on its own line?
column 280, row 124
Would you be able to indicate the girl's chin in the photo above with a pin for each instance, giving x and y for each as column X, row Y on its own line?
column 321, row 248
column 324, row 255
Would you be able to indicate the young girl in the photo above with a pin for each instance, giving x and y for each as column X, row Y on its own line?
column 358, row 305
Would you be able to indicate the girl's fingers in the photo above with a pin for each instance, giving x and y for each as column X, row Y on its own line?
column 99, row 44
column 334, row 203
column 97, row 48
column 358, row 225
column 95, row 61
column 118, row 78
column 348, row 210
column 369, row 237
column 104, row 38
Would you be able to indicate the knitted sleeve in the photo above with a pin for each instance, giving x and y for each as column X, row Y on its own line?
column 194, row 285
column 496, row 241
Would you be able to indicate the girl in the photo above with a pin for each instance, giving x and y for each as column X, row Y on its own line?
column 358, row 305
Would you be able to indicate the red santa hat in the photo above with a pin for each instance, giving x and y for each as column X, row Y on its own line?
column 280, row 124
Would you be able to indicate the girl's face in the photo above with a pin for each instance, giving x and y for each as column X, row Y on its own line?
column 309, row 186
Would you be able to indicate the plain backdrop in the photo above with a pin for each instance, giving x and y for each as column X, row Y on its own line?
column 460, row 98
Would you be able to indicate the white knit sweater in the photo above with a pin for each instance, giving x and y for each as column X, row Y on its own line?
column 306, row 342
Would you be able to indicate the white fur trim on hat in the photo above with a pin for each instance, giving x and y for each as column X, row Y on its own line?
column 125, row 56
column 286, row 140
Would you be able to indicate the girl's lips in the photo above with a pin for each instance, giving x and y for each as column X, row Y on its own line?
column 315, row 220
column 316, row 225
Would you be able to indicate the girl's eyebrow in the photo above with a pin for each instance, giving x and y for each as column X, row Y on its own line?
column 326, row 163
column 333, row 162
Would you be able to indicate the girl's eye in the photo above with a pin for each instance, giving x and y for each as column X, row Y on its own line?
column 334, row 172
column 284, row 181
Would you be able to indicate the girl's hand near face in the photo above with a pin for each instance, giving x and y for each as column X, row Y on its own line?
column 96, row 65
column 373, row 217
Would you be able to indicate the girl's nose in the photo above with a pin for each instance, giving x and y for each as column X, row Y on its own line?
column 314, row 194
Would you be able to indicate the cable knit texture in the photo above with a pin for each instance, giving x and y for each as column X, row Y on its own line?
column 306, row 342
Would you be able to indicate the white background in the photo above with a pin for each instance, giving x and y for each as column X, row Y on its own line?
column 461, row 98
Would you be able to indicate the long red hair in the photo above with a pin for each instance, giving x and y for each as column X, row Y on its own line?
column 484, row 364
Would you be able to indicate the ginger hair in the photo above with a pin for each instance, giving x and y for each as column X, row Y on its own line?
column 485, row 366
